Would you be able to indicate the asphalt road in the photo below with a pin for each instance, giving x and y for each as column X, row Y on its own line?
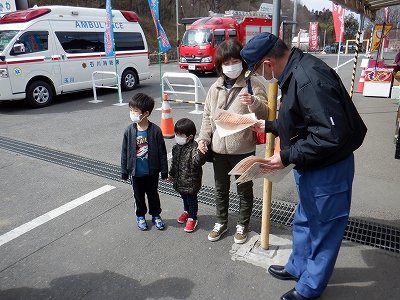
column 31, row 188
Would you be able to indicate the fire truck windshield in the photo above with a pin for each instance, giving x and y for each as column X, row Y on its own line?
column 197, row 37
column 5, row 37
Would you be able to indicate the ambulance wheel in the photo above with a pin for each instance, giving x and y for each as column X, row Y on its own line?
column 39, row 94
column 129, row 80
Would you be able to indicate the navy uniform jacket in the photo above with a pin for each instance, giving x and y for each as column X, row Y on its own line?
column 318, row 123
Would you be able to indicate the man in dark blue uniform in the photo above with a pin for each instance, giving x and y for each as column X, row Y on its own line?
column 319, row 128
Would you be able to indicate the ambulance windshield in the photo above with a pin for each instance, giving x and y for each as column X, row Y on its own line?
column 197, row 37
column 5, row 37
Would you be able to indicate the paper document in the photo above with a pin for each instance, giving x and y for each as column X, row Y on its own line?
column 249, row 169
column 228, row 123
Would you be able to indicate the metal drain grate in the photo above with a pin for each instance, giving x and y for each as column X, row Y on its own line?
column 360, row 231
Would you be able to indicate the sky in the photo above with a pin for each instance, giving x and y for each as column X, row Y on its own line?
column 316, row 4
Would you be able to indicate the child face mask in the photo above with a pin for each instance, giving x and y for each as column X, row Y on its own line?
column 135, row 118
column 180, row 140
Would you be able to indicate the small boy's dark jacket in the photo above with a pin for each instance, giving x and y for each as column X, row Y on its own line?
column 186, row 168
column 157, row 152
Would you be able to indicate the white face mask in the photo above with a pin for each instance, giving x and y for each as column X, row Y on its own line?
column 273, row 79
column 232, row 71
column 180, row 140
column 135, row 117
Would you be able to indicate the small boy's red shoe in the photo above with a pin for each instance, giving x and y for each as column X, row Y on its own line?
column 183, row 217
column 190, row 225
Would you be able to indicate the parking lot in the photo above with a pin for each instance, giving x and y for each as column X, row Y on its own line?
column 67, row 224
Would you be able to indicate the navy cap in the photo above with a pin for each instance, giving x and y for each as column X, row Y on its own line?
column 257, row 48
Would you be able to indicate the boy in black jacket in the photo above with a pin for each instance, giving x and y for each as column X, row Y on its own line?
column 143, row 157
column 186, row 171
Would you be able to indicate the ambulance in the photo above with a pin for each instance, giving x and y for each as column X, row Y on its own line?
column 199, row 44
column 51, row 50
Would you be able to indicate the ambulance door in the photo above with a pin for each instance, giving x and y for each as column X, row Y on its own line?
column 80, row 55
column 30, row 56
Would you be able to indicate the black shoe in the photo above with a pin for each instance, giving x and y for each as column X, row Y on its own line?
column 294, row 295
column 280, row 273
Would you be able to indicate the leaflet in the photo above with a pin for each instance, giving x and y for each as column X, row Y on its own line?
column 228, row 123
column 249, row 169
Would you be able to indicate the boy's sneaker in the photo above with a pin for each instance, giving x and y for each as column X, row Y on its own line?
column 190, row 225
column 183, row 217
column 158, row 222
column 218, row 230
column 141, row 223
column 240, row 235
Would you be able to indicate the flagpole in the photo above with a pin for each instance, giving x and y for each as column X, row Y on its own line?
column 159, row 63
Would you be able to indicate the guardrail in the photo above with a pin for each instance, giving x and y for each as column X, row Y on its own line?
column 197, row 86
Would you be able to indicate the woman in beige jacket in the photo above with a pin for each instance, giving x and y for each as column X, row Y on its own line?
column 229, row 150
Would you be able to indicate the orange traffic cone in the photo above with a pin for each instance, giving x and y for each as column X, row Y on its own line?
column 167, row 123
column 360, row 86
column 166, row 58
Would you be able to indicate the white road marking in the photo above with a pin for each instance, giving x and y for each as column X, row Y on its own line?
column 13, row 234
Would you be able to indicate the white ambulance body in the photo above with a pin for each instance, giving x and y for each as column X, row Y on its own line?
column 52, row 50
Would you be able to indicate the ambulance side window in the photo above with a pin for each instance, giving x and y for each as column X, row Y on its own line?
column 34, row 41
column 125, row 41
column 81, row 42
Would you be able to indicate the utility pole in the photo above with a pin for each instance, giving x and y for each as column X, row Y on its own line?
column 216, row 4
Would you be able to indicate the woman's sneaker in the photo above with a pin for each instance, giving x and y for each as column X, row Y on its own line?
column 190, row 225
column 141, row 223
column 218, row 230
column 158, row 222
column 240, row 235
column 183, row 217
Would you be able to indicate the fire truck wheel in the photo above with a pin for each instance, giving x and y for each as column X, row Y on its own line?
column 129, row 80
column 39, row 94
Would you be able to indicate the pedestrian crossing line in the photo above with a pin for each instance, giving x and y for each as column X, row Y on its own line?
column 20, row 230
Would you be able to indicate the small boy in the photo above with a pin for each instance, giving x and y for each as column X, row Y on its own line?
column 143, row 157
column 186, row 171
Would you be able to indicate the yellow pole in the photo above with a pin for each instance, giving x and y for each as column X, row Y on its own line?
column 269, row 151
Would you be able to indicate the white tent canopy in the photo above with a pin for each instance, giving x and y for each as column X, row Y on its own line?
column 366, row 7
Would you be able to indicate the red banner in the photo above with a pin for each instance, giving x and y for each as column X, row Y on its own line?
column 338, row 21
column 313, row 43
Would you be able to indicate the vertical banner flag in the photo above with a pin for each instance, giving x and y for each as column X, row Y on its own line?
column 313, row 43
column 338, row 21
column 163, row 43
column 109, row 33
column 380, row 32
column 387, row 14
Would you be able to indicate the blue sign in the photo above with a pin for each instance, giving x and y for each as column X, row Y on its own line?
column 109, row 33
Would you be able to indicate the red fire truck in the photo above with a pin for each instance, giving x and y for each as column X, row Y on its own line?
column 199, row 43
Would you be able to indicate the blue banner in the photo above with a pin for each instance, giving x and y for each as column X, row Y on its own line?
column 163, row 43
column 109, row 33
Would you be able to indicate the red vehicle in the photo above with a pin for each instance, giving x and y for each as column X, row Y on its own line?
column 200, row 41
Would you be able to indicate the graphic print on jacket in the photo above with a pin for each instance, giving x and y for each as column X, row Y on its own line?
column 142, row 154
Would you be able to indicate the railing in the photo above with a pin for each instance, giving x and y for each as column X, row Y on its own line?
column 116, row 86
column 169, row 88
